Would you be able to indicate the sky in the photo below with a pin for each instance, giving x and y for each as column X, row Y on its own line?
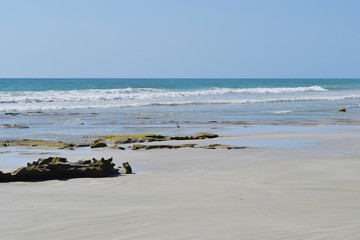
column 180, row 38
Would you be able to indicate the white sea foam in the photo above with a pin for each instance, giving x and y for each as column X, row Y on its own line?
column 137, row 94
column 280, row 112
column 42, row 106
column 142, row 97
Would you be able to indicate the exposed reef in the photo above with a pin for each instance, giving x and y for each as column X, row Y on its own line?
column 38, row 144
column 140, row 138
column 165, row 146
column 59, row 168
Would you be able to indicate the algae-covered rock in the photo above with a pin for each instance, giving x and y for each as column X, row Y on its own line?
column 141, row 138
column 117, row 147
column 197, row 136
column 148, row 147
column 60, row 168
column 98, row 145
column 37, row 144
column 221, row 146
column 205, row 135
column 137, row 138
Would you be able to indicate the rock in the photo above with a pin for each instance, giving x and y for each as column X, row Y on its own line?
column 190, row 145
column 205, row 135
column 13, row 126
column 60, row 168
column 38, row 144
column 138, row 146
column 126, row 169
column 182, row 138
column 148, row 147
column 342, row 110
column 220, row 146
column 123, row 139
column 98, row 145
column 83, row 145
column 5, row 177
column 12, row 114
column 162, row 146
column 197, row 136
column 117, row 147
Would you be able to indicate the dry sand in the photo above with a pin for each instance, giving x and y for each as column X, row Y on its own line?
column 198, row 194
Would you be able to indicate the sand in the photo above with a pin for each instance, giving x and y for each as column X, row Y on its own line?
column 256, row 193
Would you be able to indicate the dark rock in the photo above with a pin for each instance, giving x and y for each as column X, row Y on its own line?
column 5, row 177
column 60, row 168
column 190, row 145
column 221, row 146
column 83, row 145
column 162, row 146
column 148, row 147
column 12, row 114
column 182, row 138
column 126, row 169
column 13, row 126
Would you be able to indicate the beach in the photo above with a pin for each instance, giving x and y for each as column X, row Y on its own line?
column 298, row 192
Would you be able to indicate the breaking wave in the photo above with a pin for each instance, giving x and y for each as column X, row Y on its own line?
column 138, row 94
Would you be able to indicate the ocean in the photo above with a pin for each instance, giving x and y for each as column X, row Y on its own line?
column 67, row 109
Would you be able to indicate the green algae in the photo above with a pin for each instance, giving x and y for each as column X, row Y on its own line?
column 36, row 144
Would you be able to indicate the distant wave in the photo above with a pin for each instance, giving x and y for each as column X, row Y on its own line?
column 137, row 94
column 280, row 112
column 43, row 106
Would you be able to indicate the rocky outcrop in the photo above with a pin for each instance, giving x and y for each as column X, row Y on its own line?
column 211, row 146
column 36, row 144
column 60, row 168
column 196, row 137
column 141, row 138
column 98, row 144
column 163, row 146
column 205, row 135
column 221, row 146
column 123, row 139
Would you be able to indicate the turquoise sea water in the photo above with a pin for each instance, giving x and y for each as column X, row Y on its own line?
column 67, row 108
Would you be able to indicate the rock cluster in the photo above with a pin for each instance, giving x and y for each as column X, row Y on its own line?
column 123, row 139
column 141, row 138
column 167, row 146
column 60, row 168
column 197, row 136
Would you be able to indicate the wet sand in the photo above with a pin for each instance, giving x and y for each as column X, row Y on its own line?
column 255, row 193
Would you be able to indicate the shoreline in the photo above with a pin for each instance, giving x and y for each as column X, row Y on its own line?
column 311, row 138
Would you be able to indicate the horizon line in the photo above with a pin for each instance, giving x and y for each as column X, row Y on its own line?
column 179, row 77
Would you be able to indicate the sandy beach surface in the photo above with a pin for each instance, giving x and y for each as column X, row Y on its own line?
column 255, row 193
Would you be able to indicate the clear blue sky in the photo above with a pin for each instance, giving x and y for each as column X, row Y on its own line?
column 180, row 38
